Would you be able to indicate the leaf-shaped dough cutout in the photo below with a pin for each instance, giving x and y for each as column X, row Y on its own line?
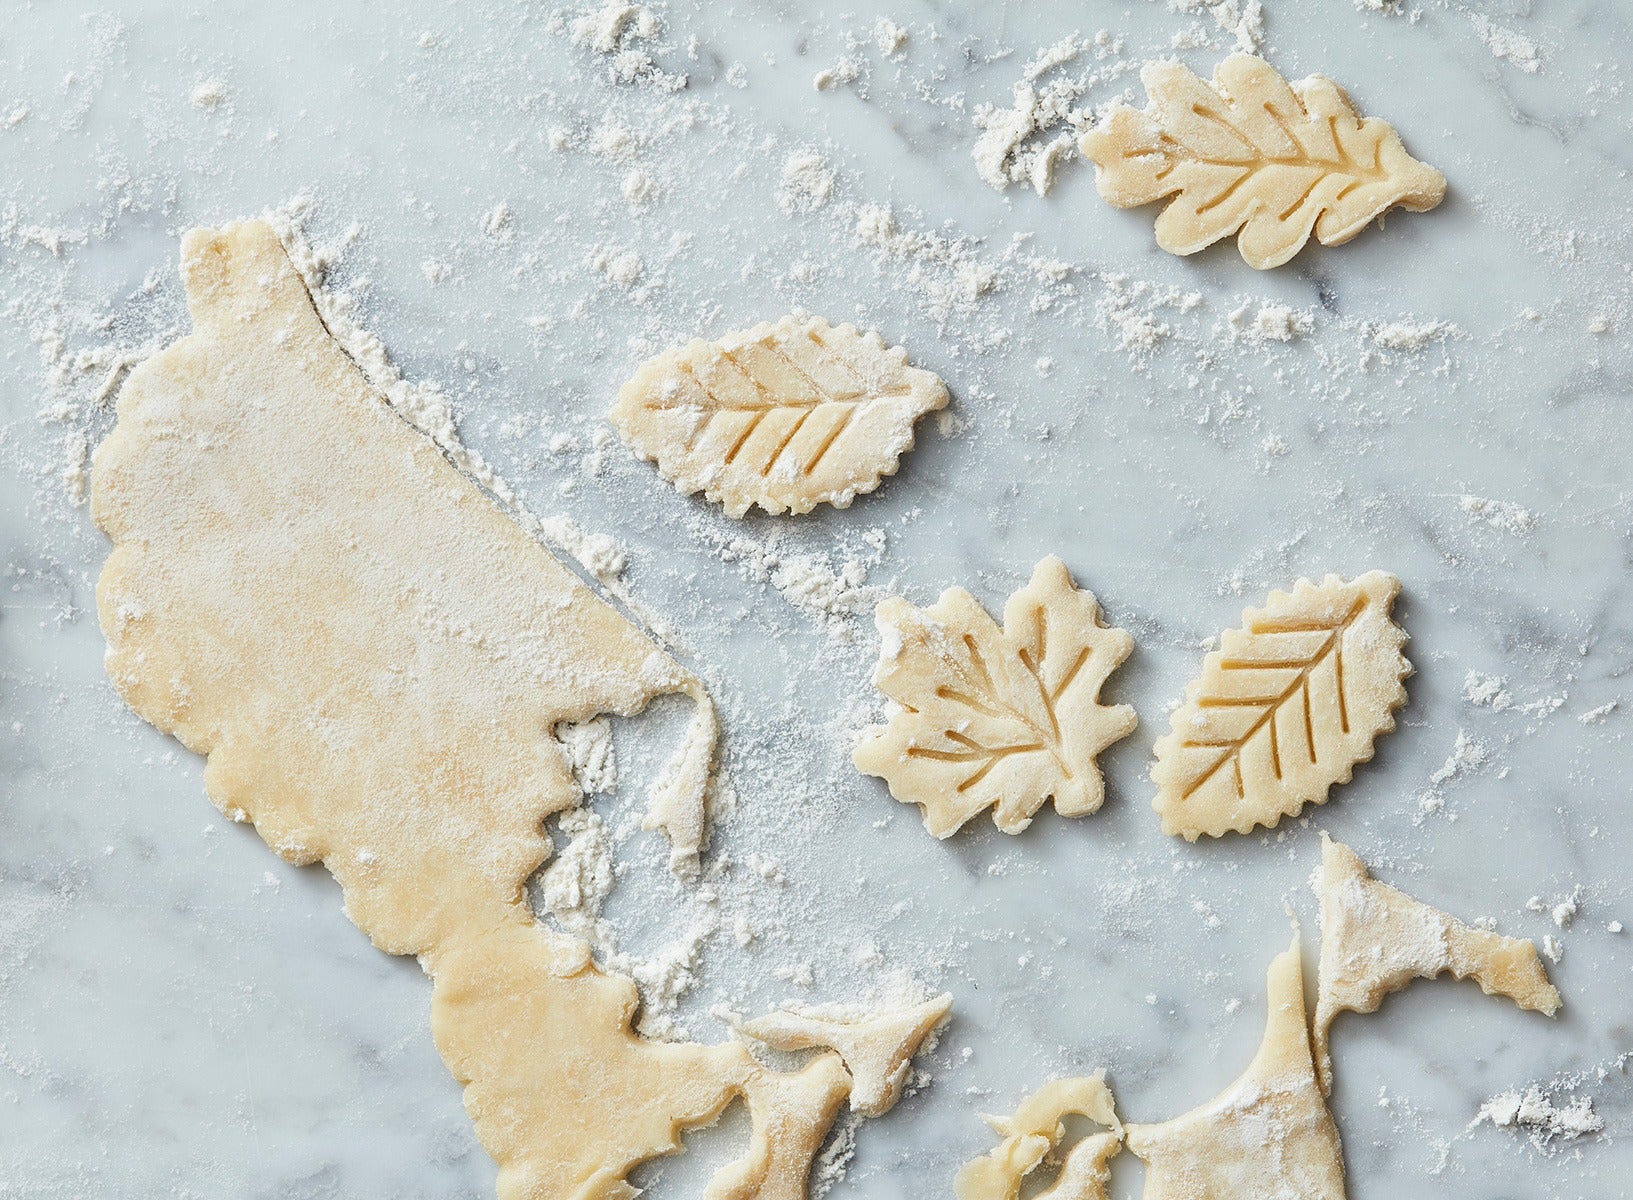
column 1035, row 1130
column 1375, row 940
column 1256, row 156
column 1268, row 1135
column 787, row 415
column 876, row 1046
column 1001, row 718
column 1284, row 709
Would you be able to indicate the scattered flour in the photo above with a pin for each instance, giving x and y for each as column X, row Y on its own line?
column 1242, row 19
column 807, row 183
column 1491, row 691
column 609, row 31
column 1014, row 145
column 1506, row 43
column 1499, row 514
column 1270, row 322
column 1534, row 1113
column 1408, row 335
column 209, row 94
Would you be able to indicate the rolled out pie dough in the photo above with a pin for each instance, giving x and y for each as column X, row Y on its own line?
column 786, row 416
column 1035, row 1130
column 1376, row 940
column 877, row 1046
column 373, row 657
column 1269, row 1135
column 997, row 717
column 1284, row 709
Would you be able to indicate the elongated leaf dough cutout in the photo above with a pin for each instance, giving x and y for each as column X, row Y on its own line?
column 1284, row 709
column 877, row 1047
column 1268, row 1135
column 1375, row 940
column 1255, row 154
column 1000, row 718
column 1035, row 1130
column 372, row 656
column 787, row 415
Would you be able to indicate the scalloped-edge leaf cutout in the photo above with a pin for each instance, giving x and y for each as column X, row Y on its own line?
column 1375, row 940
column 1256, row 156
column 1284, row 709
column 785, row 416
column 997, row 718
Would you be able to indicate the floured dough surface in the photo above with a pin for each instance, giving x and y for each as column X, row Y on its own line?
column 1255, row 156
column 877, row 1046
column 1035, row 1130
column 1269, row 1135
column 1000, row 718
column 373, row 656
column 786, row 415
column 1284, row 709
column 1375, row 940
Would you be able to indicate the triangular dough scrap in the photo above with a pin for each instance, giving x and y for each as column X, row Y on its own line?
column 1000, row 718
column 1284, row 709
column 877, row 1046
column 1034, row 1130
column 1257, row 156
column 1375, row 940
column 371, row 653
column 1269, row 1135
column 787, row 415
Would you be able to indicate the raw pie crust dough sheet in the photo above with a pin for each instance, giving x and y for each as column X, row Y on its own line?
column 373, row 658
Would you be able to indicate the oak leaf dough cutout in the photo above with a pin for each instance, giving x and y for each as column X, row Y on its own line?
column 787, row 415
column 1284, row 709
column 1268, row 1135
column 876, row 1046
column 1035, row 1131
column 1256, row 156
column 373, row 656
column 1001, row 718
column 1375, row 940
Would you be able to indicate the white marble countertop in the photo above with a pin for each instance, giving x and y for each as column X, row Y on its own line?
column 183, row 1014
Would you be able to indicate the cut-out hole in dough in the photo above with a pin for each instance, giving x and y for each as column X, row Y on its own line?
column 1269, row 1135
column 876, row 1045
column 1375, row 940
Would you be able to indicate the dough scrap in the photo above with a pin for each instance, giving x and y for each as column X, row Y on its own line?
column 1035, row 1130
column 876, row 1047
column 1375, row 940
column 1255, row 156
column 787, row 415
column 372, row 657
column 1269, row 1135
column 1002, row 718
column 1284, row 709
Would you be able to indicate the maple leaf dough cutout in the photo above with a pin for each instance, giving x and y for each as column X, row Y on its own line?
column 372, row 656
column 787, row 415
column 1035, row 1130
column 1268, row 1135
column 1375, row 940
column 1284, row 709
column 995, row 717
column 1255, row 156
column 877, row 1046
